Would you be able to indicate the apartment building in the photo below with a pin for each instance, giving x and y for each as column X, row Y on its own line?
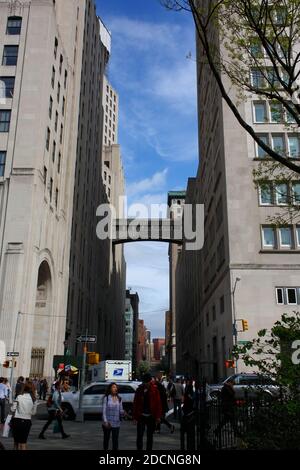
column 248, row 269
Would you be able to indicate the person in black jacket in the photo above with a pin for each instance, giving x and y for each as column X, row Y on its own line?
column 228, row 406
column 188, row 419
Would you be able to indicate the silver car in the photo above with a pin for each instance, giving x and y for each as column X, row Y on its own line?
column 92, row 398
column 248, row 385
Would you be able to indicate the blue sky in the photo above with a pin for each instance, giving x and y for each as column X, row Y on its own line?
column 156, row 84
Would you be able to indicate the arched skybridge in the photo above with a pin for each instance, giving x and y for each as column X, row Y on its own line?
column 160, row 230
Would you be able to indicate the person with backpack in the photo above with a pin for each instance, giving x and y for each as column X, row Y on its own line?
column 55, row 412
column 112, row 412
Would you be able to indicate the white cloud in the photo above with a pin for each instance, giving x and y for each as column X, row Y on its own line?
column 156, row 181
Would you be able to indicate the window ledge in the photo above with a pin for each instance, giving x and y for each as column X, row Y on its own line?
column 290, row 252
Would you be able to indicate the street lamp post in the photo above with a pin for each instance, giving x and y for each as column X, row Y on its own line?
column 235, row 332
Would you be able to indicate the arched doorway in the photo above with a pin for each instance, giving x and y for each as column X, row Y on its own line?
column 42, row 320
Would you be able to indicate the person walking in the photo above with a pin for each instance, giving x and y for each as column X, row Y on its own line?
column 164, row 404
column 3, row 398
column 55, row 413
column 228, row 407
column 188, row 420
column 24, row 406
column 178, row 398
column 112, row 412
column 147, row 411
column 19, row 386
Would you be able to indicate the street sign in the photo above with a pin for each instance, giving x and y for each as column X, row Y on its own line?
column 13, row 354
column 244, row 342
column 86, row 339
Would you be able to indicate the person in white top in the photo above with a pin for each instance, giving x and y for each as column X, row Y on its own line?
column 3, row 398
column 23, row 408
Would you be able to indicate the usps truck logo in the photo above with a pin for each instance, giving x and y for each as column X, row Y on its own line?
column 118, row 372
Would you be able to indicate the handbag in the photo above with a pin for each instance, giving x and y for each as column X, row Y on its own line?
column 7, row 426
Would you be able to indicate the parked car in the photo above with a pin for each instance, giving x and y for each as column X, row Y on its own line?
column 248, row 385
column 93, row 397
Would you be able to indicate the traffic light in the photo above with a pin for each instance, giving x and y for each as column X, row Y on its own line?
column 229, row 364
column 6, row 364
column 93, row 358
column 245, row 325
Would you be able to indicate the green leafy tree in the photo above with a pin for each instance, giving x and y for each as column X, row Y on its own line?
column 276, row 426
column 143, row 368
column 259, row 56
column 273, row 352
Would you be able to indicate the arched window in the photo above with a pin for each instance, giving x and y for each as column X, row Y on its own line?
column 14, row 24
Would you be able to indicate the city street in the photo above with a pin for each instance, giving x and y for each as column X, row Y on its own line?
column 88, row 436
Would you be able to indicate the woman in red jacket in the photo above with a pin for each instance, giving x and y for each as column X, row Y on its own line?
column 147, row 411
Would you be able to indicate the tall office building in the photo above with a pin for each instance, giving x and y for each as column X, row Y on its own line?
column 41, row 45
column 248, row 269
column 175, row 206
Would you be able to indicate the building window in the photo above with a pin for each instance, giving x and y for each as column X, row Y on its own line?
column 4, row 120
column 279, row 296
column 65, row 79
column 48, row 134
column 56, row 121
column 293, row 142
column 63, row 106
column 207, row 319
column 56, row 198
column 219, row 212
column 276, row 111
column 281, row 192
column 58, row 92
column 260, row 152
column 50, row 107
column 222, row 304
column 59, row 162
column 2, row 162
column 298, row 235
column 268, row 237
column 109, row 179
column 260, row 112
column 45, row 176
column 10, row 55
column 278, row 144
column 105, row 176
column 285, row 237
column 14, row 25
column 51, row 189
column 55, row 47
column 257, row 78
column 53, row 77
column 291, row 296
column 60, row 63
column 61, row 133
column 53, row 151
column 7, row 86
column 108, row 192
column 265, row 195
column 214, row 313
column 296, row 193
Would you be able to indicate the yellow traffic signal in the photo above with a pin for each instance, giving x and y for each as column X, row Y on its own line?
column 93, row 358
column 245, row 325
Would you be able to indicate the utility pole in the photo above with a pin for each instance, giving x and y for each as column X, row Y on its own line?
column 234, row 326
column 80, row 414
column 13, row 361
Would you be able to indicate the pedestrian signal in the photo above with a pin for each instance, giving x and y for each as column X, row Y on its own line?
column 229, row 364
column 245, row 325
column 6, row 364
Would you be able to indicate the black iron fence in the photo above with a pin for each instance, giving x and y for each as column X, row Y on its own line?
column 219, row 427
